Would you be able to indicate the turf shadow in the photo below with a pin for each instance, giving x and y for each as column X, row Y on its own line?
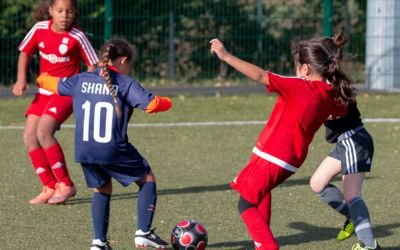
column 172, row 191
column 186, row 190
column 311, row 233
column 237, row 245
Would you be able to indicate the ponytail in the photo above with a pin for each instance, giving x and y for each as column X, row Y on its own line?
column 324, row 56
column 107, row 77
column 342, row 89
column 114, row 48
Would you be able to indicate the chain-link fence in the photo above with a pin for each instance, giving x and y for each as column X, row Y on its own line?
column 173, row 36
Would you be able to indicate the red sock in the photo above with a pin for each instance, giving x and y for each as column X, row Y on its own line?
column 259, row 230
column 55, row 156
column 42, row 167
column 264, row 208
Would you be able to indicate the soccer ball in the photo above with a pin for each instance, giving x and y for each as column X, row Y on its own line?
column 189, row 235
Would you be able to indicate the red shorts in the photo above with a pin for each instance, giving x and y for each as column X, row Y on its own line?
column 58, row 107
column 258, row 178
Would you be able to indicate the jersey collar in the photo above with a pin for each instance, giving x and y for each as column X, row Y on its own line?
column 113, row 69
column 110, row 68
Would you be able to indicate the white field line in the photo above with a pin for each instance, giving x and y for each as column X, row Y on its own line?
column 202, row 124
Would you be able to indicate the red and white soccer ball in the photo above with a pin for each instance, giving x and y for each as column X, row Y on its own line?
column 189, row 235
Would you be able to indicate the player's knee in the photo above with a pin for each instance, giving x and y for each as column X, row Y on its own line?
column 30, row 139
column 149, row 177
column 316, row 185
column 243, row 205
column 106, row 189
column 43, row 135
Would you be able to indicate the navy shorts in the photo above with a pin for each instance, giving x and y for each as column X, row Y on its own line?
column 355, row 150
column 98, row 175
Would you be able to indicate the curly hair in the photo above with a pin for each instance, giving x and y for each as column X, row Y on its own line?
column 41, row 12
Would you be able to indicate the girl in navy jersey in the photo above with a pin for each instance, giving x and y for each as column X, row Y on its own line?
column 319, row 91
column 61, row 48
column 103, row 104
column 352, row 157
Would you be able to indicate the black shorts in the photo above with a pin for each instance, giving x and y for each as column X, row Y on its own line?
column 355, row 150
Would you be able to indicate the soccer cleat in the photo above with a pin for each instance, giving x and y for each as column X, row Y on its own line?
column 62, row 193
column 43, row 197
column 361, row 246
column 347, row 231
column 149, row 239
column 100, row 245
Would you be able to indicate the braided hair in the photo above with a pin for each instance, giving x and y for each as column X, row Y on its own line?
column 107, row 78
column 324, row 56
column 111, row 50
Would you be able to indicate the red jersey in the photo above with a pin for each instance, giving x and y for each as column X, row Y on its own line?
column 300, row 110
column 60, row 53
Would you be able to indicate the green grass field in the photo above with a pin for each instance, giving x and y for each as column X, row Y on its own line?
column 193, row 166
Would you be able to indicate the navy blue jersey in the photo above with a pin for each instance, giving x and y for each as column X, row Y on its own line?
column 100, row 134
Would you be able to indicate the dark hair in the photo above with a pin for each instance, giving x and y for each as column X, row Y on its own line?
column 324, row 56
column 41, row 12
column 111, row 50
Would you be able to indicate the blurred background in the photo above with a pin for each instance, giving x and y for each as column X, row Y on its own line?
column 173, row 36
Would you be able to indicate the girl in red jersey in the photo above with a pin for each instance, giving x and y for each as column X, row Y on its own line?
column 61, row 48
column 320, row 91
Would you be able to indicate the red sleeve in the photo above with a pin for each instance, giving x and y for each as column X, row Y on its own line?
column 29, row 44
column 285, row 86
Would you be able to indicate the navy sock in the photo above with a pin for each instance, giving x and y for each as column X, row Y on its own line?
column 146, row 205
column 100, row 215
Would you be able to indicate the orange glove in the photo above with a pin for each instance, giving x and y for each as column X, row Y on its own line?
column 159, row 104
column 48, row 82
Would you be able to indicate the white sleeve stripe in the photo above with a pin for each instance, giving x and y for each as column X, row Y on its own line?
column 274, row 160
column 84, row 44
column 87, row 47
column 28, row 37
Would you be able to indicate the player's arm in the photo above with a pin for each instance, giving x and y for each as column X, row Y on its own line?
column 48, row 82
column 250, row 70
column 158, row 104
column 91, row 68
column 20, row 85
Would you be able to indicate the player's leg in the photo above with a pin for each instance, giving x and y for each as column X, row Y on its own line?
column 35, row 152
column 57, row 111
column 265, row 208
column 360, row 150
column 352, row 184
column 100, row 181
column 254, row 183
column 100, row 216
column 256, row 225
column 330, row 194
column 146, row 205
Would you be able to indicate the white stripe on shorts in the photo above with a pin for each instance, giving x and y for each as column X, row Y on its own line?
column 351, row 155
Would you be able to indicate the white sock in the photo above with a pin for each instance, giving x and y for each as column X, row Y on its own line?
column 140, row 232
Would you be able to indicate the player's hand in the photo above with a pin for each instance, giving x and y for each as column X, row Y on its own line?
column 218, row 49
column 19, row 88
